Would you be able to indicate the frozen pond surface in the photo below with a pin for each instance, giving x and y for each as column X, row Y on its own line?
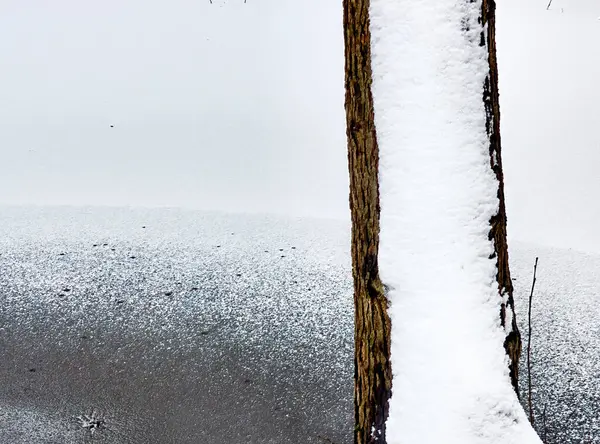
column 168, row 326
column 565, row 340
column 173, row 327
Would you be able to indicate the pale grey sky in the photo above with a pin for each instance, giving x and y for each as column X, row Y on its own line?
column 230, row 106
column 239, row 107
column 549, row 69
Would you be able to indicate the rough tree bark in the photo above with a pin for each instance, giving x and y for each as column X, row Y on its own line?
column 372, row 368
column 491, row 99
column 373, row 376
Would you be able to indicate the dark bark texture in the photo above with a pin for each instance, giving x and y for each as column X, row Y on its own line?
column 491, row 98
column 372, row 368
column 373, row 376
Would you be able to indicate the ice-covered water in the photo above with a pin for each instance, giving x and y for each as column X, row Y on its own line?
column 188, row 327
column 174, row 326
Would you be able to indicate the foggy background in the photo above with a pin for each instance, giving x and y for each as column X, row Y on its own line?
column 239, row 107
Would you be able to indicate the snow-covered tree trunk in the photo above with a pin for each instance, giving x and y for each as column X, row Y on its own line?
column 425, row 74
column 443, row 251
column 491, row 98
column 372, row 375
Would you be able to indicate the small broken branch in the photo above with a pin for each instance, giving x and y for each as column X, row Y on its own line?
column 531, row 418
column 92, row 422
column 325, row 439
column 549, row 3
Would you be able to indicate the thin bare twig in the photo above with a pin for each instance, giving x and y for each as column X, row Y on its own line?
column 531, row 418
column 544, row 425
column 549, row 3
column 325, row 439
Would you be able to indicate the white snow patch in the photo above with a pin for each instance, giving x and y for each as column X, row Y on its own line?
column 438, row 192
column 509, row 314
column 92, row 422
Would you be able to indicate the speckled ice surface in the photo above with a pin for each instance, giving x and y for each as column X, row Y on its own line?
column 196, row 329
column 174, row 326
column 565, row 340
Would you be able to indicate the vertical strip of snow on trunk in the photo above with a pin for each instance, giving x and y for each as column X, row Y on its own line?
column 438, row 192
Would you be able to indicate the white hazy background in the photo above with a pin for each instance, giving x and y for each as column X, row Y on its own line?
column 227, row 106
column 239, row 107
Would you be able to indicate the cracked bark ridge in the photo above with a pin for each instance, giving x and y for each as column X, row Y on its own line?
column 372, row 367
column 491, row 99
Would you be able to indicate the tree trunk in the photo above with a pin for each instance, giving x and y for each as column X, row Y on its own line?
column 372, row 368
column 373, row 376
column 512, row 343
